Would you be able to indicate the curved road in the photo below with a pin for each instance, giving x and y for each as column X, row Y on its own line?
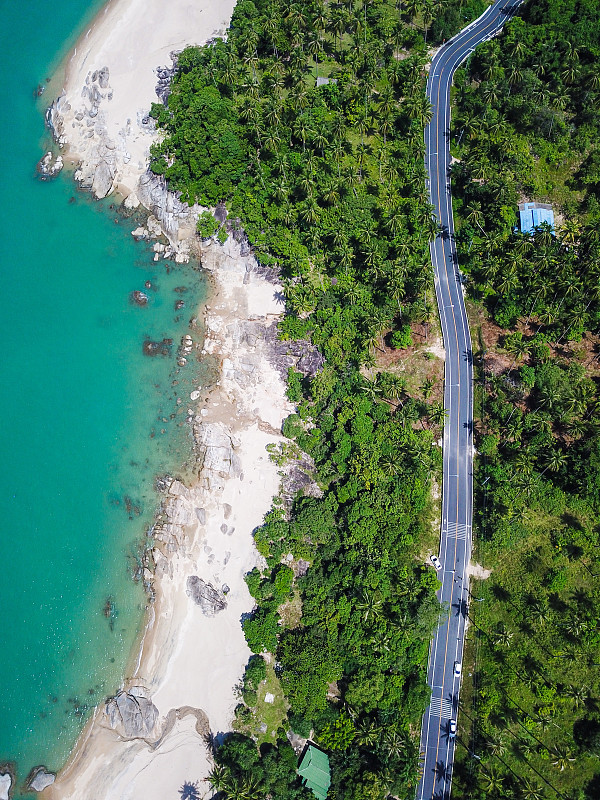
column 437, row 746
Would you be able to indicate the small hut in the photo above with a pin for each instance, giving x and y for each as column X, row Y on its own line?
column 534, row 215
column 314, row 771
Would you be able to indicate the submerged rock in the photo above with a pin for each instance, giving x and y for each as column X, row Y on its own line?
column 132, row 714
column 210, row 600
column 139, row 298
column 39, row 779
column 158, row 348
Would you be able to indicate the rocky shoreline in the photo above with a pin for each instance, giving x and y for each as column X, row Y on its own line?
column 202, row 538
column 181, row 684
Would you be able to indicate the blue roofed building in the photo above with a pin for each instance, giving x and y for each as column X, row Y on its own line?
column 534, row 215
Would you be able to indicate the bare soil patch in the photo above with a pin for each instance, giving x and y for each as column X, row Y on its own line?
column 418, row 364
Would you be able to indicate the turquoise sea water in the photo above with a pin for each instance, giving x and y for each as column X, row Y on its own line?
column 81, row 414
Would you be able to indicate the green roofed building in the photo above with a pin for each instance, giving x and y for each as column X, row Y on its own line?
column 314, row 771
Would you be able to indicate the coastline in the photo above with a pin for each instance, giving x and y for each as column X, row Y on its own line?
column 189, row 663
column 109, row 81
column 192, row 651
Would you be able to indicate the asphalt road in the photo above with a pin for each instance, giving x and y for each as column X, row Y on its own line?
column 437, row 747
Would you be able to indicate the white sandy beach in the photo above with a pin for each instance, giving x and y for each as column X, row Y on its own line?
column 190, row 661
column 103, row 113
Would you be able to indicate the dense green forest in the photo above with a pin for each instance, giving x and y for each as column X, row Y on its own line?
column 526, row 126
column 327, row 180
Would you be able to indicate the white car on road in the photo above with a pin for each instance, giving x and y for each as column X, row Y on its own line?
column 457, row 669
column 436, row 562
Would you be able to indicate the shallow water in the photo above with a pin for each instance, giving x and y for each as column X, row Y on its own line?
column 81, row 415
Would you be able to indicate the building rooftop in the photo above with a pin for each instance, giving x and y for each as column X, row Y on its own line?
column 315, row 772
column 533, row 215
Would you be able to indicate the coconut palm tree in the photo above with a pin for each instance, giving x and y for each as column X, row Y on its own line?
column 492, row 781
column 516, row 346
column 338, row 24
column 475, row 214
column 218, row 777
column 539, row 613
column 309, row 212
column 496, row 746
column 412, row 7
column 515, row 75
column 419, row 109
column 297, row 16
column 562, row 758
column 314, row 47
column 555, row 460
column 370, row 605
column 394, row 389
column 282, row 190
column 320, row 19
column 528, row 790
column 578, row 694
column 437, row 414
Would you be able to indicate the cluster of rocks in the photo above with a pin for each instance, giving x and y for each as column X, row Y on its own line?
column 159, row 348
column 203, row 594
column 6, row 783
column 299, row 353
column 100, row 182
column 95, row 84
column 215, row 453
column 235, row 228
column 101, row 160
column 151, row 230
column 170, row 531
column 132, row 714
column 248, row 336
column 299, row 477
column 176, row 219
column 185, row 349
column 38, row 779
column 49, row 166
column 55, row 119
column 164, row 75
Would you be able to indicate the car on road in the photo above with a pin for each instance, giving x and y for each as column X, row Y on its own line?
column 452, row 729
column 457, row 669
column 436, row 562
